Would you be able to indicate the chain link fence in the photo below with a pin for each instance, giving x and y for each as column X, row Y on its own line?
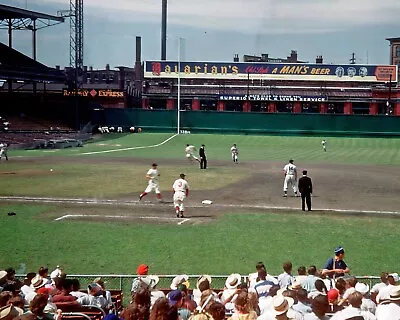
column 124, row 282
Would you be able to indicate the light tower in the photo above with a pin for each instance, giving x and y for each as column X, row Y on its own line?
column 76, row 34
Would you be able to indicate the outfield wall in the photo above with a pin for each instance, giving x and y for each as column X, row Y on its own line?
column 255, row 123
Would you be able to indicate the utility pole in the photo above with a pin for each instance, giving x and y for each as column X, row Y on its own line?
column 353, row 58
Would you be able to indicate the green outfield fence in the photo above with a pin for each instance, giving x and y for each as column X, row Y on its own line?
column 255, row 122
column 124, row 282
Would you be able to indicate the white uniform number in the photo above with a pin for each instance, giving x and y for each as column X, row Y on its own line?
column 290, row 169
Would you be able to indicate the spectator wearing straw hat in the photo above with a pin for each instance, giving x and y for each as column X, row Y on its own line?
column 390, row 309
column 281, row 306
column 231, row 290
column 9, row 312
column 36, row 284
column 336, row 267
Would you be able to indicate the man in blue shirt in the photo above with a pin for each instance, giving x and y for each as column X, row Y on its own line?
column 336, row 267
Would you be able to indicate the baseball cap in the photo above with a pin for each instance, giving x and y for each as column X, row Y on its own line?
column 395, row 276
column 333, row 294
column 154, row 165
column 339, row 250
column 174, row 297
column 142, row 269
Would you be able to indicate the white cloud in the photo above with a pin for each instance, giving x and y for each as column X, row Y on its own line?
column 255, row 16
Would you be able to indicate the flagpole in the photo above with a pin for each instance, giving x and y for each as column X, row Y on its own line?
column 179, row 86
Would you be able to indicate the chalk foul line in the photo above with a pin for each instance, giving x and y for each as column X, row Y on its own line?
column 130, row 148
column 69, row 216
column 88, row 201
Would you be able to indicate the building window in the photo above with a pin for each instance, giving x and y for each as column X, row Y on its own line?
column 398, row 51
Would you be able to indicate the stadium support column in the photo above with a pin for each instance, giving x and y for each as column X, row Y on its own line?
column 247, row 106
column 297, row 107
column 145, row 103
column 272, row 107
column 323, row 108
column 396, row 110
column 170, row 104
column 221, row 105
column 348, row 107
column 373, row 108
column 195, row 104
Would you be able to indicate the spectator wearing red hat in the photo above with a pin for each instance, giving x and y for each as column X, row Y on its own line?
column 334, row 298
column 141, row 281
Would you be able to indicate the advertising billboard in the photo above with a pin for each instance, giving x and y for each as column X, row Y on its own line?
column 270, row 71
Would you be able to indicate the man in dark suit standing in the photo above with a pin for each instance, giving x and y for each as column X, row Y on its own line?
column 203, row 157
column 305, row 188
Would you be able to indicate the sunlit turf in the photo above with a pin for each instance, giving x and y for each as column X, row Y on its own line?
column 307, row 149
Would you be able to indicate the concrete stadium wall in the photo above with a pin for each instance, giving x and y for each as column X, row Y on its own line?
column 255, row 123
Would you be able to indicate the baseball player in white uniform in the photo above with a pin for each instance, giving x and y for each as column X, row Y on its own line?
column 189, row 150
column 181, row 191
column 323, row 142
column 235, row 153
column 152, row 175
column 3, row 150
column 290, row 171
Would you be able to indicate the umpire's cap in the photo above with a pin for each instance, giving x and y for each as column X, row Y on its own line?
column 182, row 175
column 305, row 172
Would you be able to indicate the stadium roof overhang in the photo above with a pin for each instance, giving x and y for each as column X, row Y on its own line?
column 20, row 19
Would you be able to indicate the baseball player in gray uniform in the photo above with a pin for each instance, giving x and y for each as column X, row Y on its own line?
column 290, row 171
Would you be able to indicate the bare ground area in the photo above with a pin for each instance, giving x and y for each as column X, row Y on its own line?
column 336, row 187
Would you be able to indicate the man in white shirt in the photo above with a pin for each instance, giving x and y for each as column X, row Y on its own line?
column 290, row 171
column 235, row 153
column 189, row 150
column 181, row 191
column 353, row 310
column 390, row 310
column 384, row 293
column 152, row 175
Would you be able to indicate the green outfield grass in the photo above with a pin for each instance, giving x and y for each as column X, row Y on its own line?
column 232, row 244
column 308, row 149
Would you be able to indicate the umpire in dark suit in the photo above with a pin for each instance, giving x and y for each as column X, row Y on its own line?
column 203, row 157
column 305, row 188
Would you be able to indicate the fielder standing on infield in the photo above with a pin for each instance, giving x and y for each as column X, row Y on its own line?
column 181, row 191
column 290, row 171
column 235, row 153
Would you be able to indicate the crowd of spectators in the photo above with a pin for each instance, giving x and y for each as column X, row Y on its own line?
column 308, row 294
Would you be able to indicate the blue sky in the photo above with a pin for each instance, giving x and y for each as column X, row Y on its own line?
column 216, row 29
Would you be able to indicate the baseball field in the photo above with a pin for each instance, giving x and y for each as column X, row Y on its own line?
column 79, row 207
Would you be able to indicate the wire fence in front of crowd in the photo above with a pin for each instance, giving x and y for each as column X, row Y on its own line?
column 124, row 282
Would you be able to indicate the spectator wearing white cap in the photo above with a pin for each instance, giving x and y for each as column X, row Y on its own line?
column 384, row 293
column 367, row 304
column 390, row 309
